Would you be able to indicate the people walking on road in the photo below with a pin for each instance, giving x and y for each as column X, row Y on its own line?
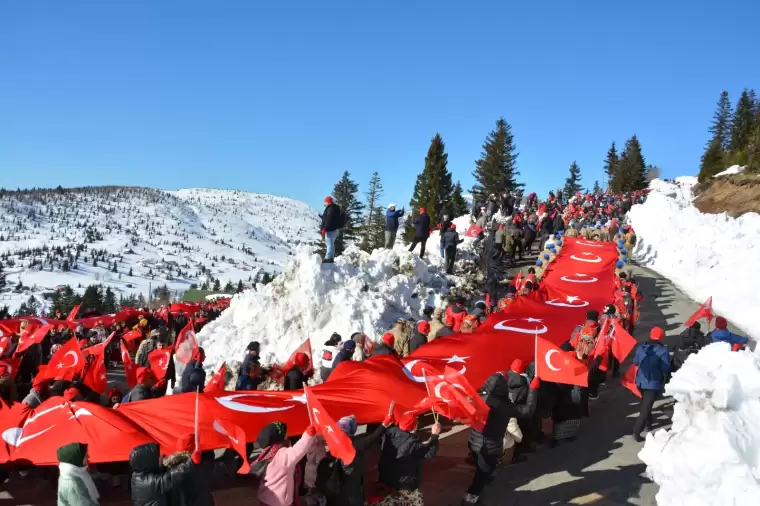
column 421, row 224
column 391, row 225
column 332, row 221
column 653, row 361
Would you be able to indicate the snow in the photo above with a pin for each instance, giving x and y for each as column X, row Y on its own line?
column 225, row 234
column 703, row 254
column 360, row 292
column 711, row 454
column 734, row 169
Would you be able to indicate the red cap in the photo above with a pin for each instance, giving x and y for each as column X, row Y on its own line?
column 656, row 333
column 518, row 366
column 422, row 209
column 453, row 227
column 721, row 323
column 301, row 359
column 407, row 423
column 329, row 199
column 389, row 339
column 423, row 327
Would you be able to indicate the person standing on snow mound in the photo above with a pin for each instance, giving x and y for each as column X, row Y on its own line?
column 450, row 240
column 332, row 221
column 421, row 231
column 391, row 225
column 721, row 334
column 653, row 361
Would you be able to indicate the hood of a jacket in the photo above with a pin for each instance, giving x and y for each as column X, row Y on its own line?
column 176, row 459
column 145, row 458
column 402, row 441
column 518, row 387
column 497, row 386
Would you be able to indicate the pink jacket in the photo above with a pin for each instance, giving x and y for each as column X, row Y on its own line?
column 277, row 487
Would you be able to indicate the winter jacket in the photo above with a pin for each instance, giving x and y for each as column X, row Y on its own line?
column 497, row 397
column 436, row 324
column 32, row 399
column 277, row 487
column 693, row 338
column 383, row 349
column 332, row 218
column 653, row 361
column 417, row 340
column 402, row 332
column 141, row 393
column 352, row 479
column 444, row 331
column 295, row 379
column 141, row 357
column 180, row 323
column 249, row 363
column 342, row 356
column 450, row 239
column 401, row 457
column 329, row 354
column 726, row 336
column 150, row 485
column 193, row 377
column 391, row 219
column 422, row 226
column 73, row 492
column 195, row 490
column 455, row 316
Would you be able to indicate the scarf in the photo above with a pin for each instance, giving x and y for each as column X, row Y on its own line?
column 81, row 473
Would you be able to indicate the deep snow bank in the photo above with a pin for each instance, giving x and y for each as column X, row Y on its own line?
column 358, row 293
column 711, row 455
column 703, row 254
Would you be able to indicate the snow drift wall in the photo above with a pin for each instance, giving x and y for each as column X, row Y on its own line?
column 703, row 254
column 358, row 293
column 711, row 455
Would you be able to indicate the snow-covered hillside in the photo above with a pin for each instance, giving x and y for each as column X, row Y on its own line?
column 703, row 254
column 178, row 238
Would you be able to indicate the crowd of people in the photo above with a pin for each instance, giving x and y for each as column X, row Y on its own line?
column 524, row 412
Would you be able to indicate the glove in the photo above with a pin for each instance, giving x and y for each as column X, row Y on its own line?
column 310, row 430
column 534, row 383
column 196, row 457
column 389, row 420
column 324, row 232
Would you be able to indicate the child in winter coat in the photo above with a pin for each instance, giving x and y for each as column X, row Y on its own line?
column 75, row 485
column 280, row 481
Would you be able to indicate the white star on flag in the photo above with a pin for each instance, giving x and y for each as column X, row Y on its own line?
column 587, row 253
column 534, row 320
column 581, row 275
column 572, row 298
column 456, row 358
column 299, row 398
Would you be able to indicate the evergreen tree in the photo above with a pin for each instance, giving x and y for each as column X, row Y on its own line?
column 573, row 181
column 712, row 161
column 92, row 300
column 94, row 261
column 114, row 268
column 496, row 169
column 597, row 190
column 240, row 286
column 611, row 169
column 345, row 194
column 130, row 271
column 753, row 153
column 457, row 204
column 109, row 301
column 373, row 233
column 633, row 167
column 229, row 288
column 721, row 126
column 217, row 285
column 743, row 122
column 434, row 187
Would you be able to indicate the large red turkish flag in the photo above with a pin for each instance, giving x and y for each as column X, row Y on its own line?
column 65, row 363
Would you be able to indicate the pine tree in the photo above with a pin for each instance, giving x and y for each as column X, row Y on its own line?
column 345, row 194
column 496, row 169
column 229, row 288
column 130, row 271
column 573, row 181
column 434, row 187
column 712, row 161
column 217, row 285
column 743, row 123
column 597, row 190
column 109, row 301
column 92, row 300
column 611, row 169
column 633, row 167
column 458, row 205
column 373, row 230
column 114, row 268
column 240, row 286
column 753, row 152
column 721, row 126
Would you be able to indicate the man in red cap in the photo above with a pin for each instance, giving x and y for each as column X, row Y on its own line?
column 333, row 220
column 653, row 361
column 721, row 334
column 419, row 336
column 421, row 224
column 386, row 345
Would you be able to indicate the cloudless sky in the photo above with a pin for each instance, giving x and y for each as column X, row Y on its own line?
column 282, row 97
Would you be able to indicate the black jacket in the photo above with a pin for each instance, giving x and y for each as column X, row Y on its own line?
column 295, row 379
column 416, row 340
column 401, row 457
column 450, row 239
column 382, row 349
column 444, row 331
column 196, row 489
column 180, row 323
column 193, row 377
column 342, row 356
column 332, row 218
column 352, row 482
column 497, row 395
column 422, row 225
column 150, row 485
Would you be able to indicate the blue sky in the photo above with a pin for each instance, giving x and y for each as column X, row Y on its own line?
column 281, row 97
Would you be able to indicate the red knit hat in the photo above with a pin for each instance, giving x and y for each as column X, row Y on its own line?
column 423, row 327
column 389, row 339
column 518, row 366
column 656, row 333
column 301, row 359
column 721, row 323
column 422, row 209
column 329, row 199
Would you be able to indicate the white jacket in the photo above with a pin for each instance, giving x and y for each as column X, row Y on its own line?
column 328, row 356
column 513, row 435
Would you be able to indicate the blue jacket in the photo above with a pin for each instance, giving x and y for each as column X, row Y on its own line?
column 422, row 226
column 193, row 377
column 653, row 360
column 726, row 336
column 391, row 220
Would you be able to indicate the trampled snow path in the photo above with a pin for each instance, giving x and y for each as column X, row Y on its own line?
column 711, row 455
column 703, row 254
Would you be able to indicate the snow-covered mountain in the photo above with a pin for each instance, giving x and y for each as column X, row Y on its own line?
column 83, row 236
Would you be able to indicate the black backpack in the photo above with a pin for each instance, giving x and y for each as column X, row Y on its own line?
column 329, row 476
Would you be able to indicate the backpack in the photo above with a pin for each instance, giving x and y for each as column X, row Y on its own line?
column 329, row 476
column 469, row 324
column 585, row 341
column 259, row 466
column 504, row 303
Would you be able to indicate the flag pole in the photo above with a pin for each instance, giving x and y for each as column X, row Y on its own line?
column 308, row 405
column 427, row 387
column 535, row 352
column 197, row 397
